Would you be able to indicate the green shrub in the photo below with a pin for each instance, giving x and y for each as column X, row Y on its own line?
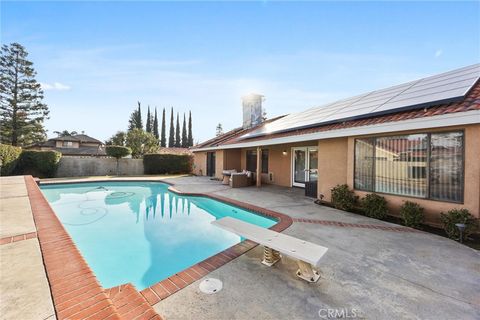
column 455, row 216
column 375, row 206
column 42, row 164
column 343, row 198
column 8, row 158
column 118, row 151
column 167, row 163
column 412, row 214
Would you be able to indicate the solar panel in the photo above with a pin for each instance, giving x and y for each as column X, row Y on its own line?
column 442, row 88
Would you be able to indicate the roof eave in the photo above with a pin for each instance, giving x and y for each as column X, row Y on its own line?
column 445, row 120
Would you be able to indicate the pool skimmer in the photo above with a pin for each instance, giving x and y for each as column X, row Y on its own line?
column 210, row 285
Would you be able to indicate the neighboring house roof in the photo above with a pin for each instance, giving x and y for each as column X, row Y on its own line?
column 82, row 151
column 470, row 105
column 77, row 137
column 175, row 150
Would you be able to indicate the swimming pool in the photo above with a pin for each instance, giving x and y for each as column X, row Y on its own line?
column 140, row 232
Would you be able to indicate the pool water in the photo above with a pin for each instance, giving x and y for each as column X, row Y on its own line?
column 140, row 232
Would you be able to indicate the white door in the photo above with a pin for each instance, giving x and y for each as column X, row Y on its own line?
column 304, row 165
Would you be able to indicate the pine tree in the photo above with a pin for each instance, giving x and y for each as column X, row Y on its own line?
column 155, row 124
column 219, row 130
column 178, row 142
column 171, row 136
column 163, row 139
column 135, row 121
column 148, row 124
column 190, row 134
column 22, row 111
column 184, row 133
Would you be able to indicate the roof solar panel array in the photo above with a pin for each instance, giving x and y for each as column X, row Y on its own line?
column 443, row 88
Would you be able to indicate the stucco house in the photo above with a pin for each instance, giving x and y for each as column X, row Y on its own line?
column 74, row 145
column 417, row 141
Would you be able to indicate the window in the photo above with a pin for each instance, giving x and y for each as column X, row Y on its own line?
column 67, row 144
column 419, row 165
column 252, row 160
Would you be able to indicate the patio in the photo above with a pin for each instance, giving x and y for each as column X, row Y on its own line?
column 382, row 274
column 373, row 269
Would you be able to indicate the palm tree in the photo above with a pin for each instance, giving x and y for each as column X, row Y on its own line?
column 65, row 133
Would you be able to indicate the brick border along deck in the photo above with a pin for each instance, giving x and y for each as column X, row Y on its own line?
column 180, row 280
column 75, row 291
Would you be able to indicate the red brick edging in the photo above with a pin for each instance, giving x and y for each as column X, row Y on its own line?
column 178, row 281
column 18, row 237
column 356, row 225
column 75, row 290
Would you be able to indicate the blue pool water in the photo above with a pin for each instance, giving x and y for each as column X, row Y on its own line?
column 139, row 232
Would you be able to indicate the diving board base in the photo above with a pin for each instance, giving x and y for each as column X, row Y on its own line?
column 306, row 272
column 270, row 256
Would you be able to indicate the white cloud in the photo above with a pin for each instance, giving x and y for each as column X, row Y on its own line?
column 438, row 53
column 55, row 86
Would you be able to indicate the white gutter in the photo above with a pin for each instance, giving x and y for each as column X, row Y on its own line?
column 445, row 120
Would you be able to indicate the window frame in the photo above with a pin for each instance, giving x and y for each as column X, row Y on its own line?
column 265, row 152
column 428, row 161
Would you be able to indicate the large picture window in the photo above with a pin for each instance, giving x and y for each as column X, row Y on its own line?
column 417, row 165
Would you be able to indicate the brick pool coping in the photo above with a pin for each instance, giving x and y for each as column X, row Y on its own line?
column 165, row 288
column 75, row 291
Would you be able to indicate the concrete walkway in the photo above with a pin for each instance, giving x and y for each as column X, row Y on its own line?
column 369, row 273
column 24, row 289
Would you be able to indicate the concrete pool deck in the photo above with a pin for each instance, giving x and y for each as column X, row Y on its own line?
column 372, row 270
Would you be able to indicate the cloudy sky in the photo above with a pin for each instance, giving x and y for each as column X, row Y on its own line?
column 97, row 59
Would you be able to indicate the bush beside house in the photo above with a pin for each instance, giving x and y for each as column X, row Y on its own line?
column 374, row 206
column 8, row 158
column 452, row 217
column 167, row 163
column 42, row 164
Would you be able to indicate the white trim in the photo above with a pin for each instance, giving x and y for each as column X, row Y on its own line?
column 446, row 120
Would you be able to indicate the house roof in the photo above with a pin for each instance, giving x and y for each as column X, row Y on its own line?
column 240, row 138
column 77, row 137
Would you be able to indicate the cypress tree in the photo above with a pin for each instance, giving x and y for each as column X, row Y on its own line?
column 184, row 133
column 155, row 125
column 163, row 139
column 22, row 110
column 190, row 135
column 178, row 142
column 148, row 124
column 135, row 121
column 171, row 136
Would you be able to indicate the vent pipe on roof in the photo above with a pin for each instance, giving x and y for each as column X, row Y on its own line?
column 252, row 110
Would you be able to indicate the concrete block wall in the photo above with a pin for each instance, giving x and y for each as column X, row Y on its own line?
column 92, row 166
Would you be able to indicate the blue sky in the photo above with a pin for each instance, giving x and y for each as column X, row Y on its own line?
column 97, row 59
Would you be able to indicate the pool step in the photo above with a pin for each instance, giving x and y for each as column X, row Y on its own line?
column 130, row 304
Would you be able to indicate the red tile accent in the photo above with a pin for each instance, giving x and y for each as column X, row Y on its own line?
column 132, row 304
column 19, row 237
column 356, row 225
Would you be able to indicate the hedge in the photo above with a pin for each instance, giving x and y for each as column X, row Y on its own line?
column 118, row 151
column 167, row 163
column 42, row 164
column 8, row 159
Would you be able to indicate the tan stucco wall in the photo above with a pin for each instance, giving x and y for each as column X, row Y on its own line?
column 200, row 163
column 432, row 207
column 219, row 164
column 332, row 165
column 232, row 159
